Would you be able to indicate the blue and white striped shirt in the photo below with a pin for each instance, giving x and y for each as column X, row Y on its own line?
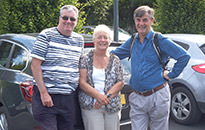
column 60, row 55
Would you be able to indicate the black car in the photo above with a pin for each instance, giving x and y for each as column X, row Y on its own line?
column 16, row 84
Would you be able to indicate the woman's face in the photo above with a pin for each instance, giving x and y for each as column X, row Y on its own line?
column 101, row 41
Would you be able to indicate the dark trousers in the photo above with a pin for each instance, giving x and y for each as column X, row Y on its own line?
column 59, row 117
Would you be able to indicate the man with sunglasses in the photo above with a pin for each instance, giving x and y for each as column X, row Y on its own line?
column 55, row 58
column 150, row 99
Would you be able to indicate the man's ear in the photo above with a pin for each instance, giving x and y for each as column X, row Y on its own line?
column 153, row 19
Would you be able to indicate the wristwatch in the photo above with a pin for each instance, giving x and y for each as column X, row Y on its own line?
column 109, row 95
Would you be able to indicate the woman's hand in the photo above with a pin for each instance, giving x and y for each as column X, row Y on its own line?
column 103, row 99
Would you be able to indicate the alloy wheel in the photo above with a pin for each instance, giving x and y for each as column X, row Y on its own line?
column 3, row 122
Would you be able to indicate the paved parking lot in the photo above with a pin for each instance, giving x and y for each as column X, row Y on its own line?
column 199, row 126
column 174, row 126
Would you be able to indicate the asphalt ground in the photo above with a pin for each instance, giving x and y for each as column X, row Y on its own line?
column 174, row 126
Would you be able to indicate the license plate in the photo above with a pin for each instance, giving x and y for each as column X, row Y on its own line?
column 123, row 101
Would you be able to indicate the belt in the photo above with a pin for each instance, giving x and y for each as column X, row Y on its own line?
column 150, row 92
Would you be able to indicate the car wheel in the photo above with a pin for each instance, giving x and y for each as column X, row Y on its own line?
column 3, row 122
column 184, row 109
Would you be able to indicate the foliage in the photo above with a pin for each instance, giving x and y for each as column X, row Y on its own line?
column 3, row 13
column 101, row 12
column 180, row 16
column 172, row 16
column 26, row 16
column 126, row 9
column 97, row 11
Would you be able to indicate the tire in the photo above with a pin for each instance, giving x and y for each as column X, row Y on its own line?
column 184, row 109
column 3, row 122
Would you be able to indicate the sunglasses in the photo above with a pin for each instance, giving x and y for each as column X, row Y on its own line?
column 66, row 18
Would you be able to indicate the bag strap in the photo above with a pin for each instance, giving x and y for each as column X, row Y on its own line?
column 155, row 41
column 134, row 35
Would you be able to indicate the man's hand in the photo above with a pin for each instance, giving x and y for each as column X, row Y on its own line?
column 165, row 75
column 38, row 76
column 46, row 100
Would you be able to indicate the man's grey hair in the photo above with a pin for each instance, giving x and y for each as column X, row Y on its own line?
column 142, row 10
column 69, row 8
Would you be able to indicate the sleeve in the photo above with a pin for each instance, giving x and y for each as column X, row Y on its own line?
column 176, row 52
column 40, row 46
column 82, row 64
column 119, row 69
column 123, row 51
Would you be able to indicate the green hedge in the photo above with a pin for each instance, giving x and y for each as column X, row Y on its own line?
column 27, row 16
column 180, row 16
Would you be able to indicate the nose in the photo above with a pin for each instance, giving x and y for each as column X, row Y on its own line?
column 140, row 22
column 68, row 20
column 103, row 39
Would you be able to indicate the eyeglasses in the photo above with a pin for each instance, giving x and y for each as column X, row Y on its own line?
column 66, row 18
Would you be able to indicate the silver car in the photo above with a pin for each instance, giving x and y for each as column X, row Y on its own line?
column 188, row 89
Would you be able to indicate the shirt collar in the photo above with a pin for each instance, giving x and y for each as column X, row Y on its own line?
column 148, row 36
column 64, row 35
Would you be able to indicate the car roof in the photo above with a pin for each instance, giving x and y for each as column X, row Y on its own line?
column 26, row 40
column 188, row 38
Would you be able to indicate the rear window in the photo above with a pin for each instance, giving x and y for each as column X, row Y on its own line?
column 202, row 48
column 19, row 58
column 183, row 45
column 28, row 41
column 5, row 48
column 13, row 56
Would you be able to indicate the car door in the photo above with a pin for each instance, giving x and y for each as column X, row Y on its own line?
column 14, row 60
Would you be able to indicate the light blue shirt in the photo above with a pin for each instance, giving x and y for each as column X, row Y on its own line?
column 146, row 69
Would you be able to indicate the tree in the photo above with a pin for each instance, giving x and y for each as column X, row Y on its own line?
column 97, row 11
column 101, row 12
column 180, row 16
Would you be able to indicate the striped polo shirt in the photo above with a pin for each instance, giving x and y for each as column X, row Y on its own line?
column 60, row 55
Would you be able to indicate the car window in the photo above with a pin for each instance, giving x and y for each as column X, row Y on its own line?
column 19, row 58
column 203, row 48
column 5, row 48
column 28, row 41
column 185, row 46
column 126, row 65
column 87, row 30
column 123, row 31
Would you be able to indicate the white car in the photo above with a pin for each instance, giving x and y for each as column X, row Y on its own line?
column 188, row 89
column 87, row 31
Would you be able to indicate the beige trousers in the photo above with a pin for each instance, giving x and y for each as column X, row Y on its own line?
column 99, row 119
column 152, row 111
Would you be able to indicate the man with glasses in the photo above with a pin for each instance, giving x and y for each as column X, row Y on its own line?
column 150, row 100
column 55, row 58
